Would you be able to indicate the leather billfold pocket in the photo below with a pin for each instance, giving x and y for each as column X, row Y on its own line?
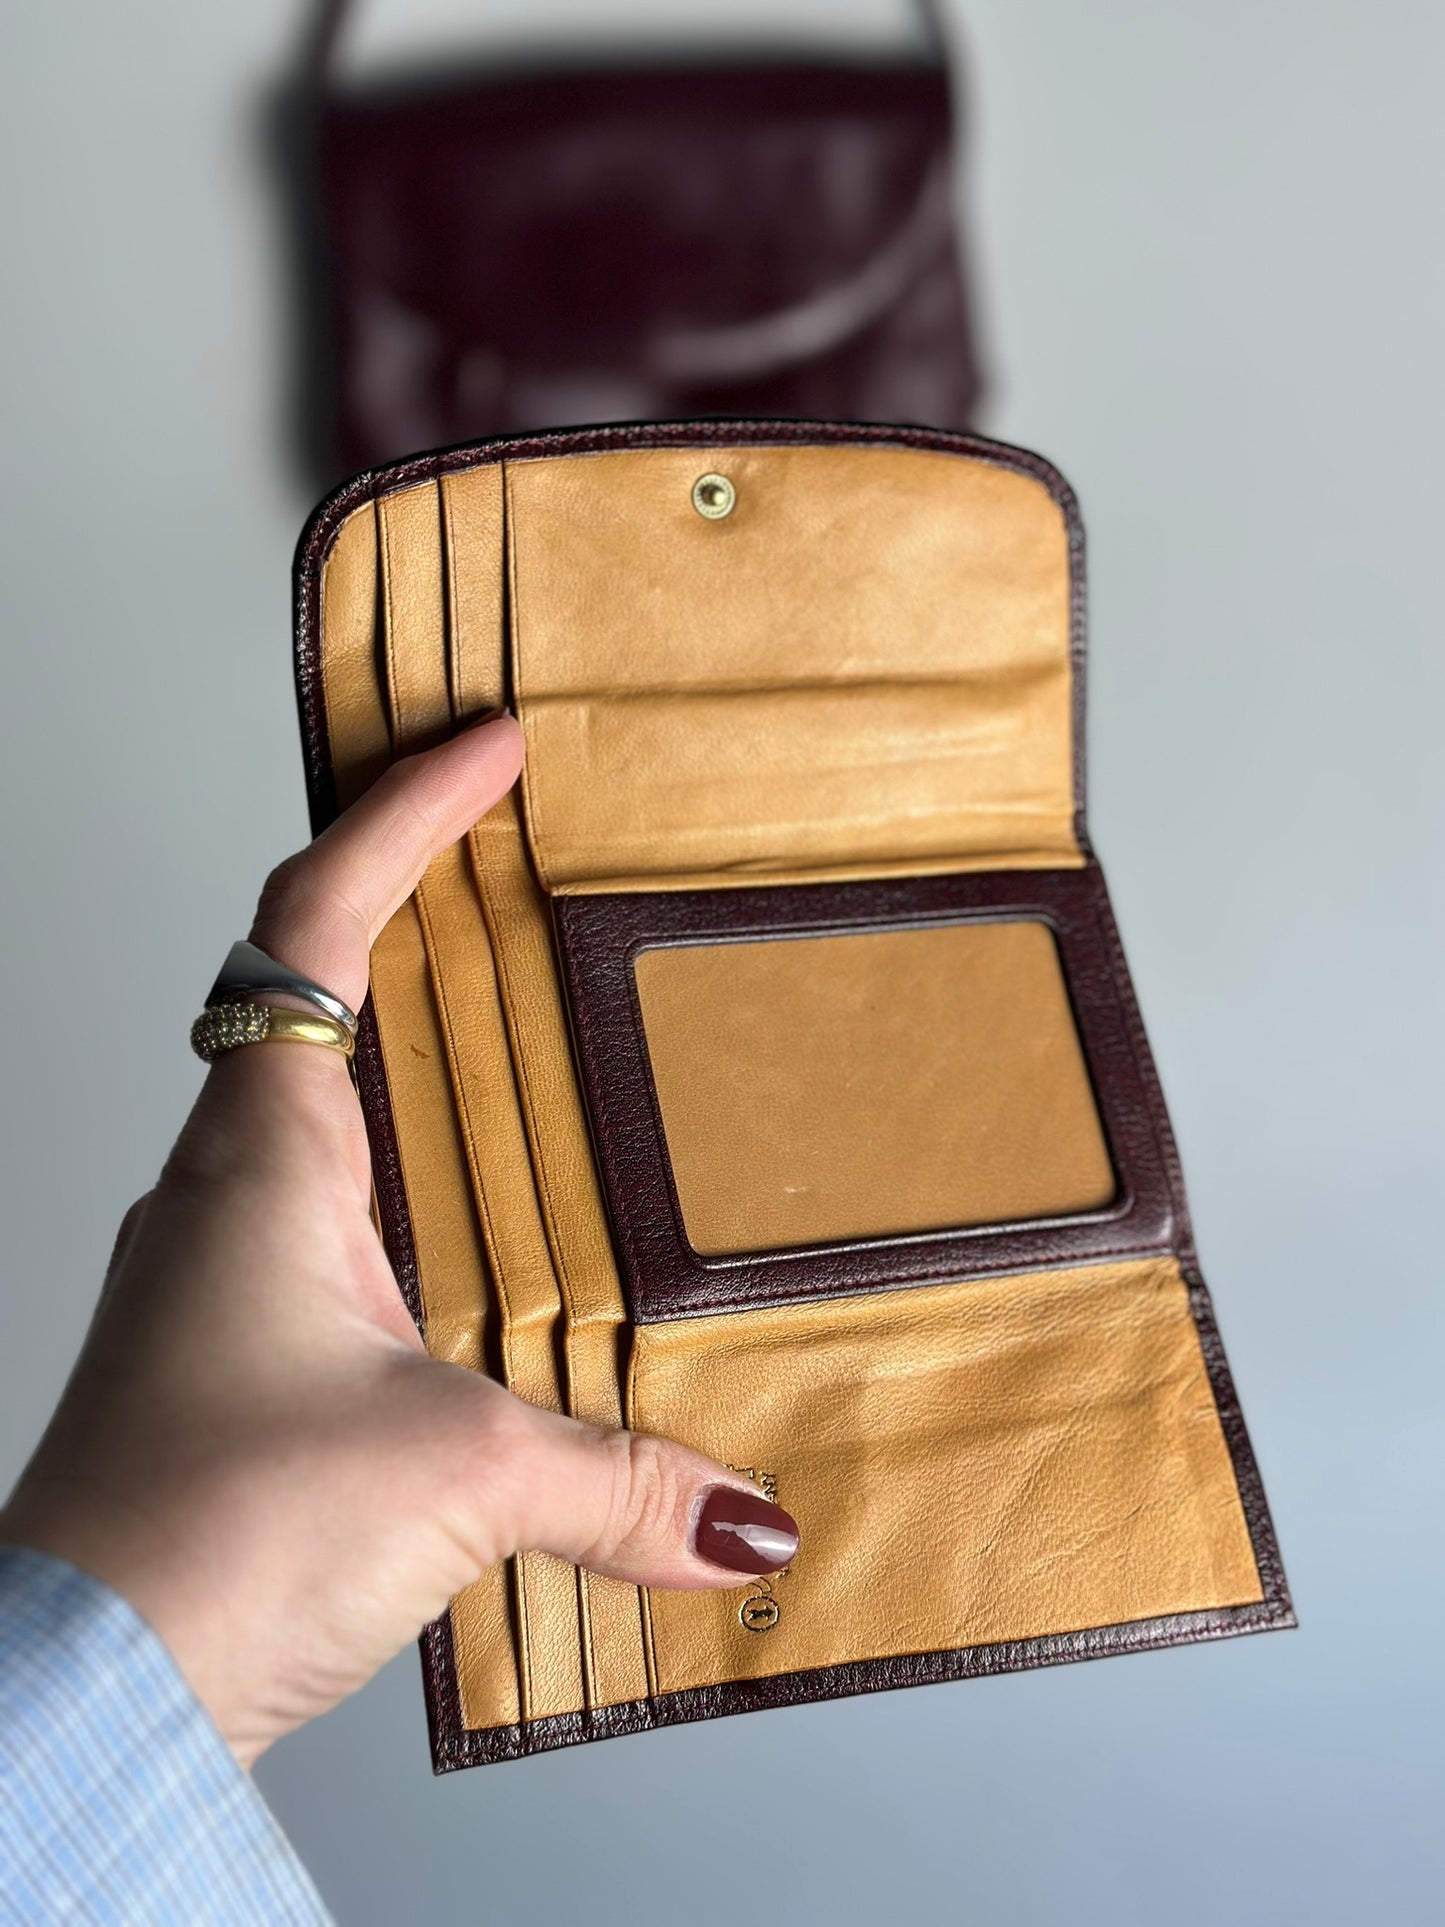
column 765, row 1070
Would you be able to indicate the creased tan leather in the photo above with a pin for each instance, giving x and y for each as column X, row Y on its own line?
column 472, row 519
column 854, row 1086
column 356, row 718
column 409, row 534
column 450, row 1262
column 864, row 666
column 968, row 1464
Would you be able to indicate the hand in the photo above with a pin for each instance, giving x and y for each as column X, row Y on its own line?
column 254, row 1447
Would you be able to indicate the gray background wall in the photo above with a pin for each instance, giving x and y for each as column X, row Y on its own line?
column 1210, row 237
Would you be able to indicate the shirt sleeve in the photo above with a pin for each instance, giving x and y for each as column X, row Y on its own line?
column 119, row 1800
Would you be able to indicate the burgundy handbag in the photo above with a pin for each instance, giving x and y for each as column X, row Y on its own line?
column 773, row 239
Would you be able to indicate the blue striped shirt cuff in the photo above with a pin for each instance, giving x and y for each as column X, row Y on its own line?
column 119, row 1800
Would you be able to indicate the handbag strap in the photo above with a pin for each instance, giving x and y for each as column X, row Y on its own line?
column 328, row 18
column 318, row 41
column 933, row 29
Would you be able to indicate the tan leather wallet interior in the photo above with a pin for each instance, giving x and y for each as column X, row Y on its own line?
column 764, row 1071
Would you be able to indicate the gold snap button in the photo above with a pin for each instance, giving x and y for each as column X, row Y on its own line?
column 759, row 1615
column 713, row 496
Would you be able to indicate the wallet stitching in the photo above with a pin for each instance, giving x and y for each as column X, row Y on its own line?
column 754, row 432
column 460, row 1747
column 1248, row 1481
column 1158, row 1111
column 598, row 1089
column 912, row 1279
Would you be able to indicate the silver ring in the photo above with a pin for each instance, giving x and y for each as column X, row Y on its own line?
column 249, row 972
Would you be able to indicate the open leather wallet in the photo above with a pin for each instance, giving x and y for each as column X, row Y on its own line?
column 764, row 1070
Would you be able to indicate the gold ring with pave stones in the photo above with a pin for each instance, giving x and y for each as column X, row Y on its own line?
column 226, row 1027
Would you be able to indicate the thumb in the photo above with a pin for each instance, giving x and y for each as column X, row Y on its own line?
column 322, row 909
column 628, row 1504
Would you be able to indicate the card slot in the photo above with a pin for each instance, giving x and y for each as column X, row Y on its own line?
column 473, row 536
column 485, row 1101
column 414, row 540
column 970, row 1464
column 442, row 602
column 451, row 1271
column 358, row 728
column 562, row 1177
column 519, row 927
column 457, row 1297
column 413, row 616
column 570, row 1202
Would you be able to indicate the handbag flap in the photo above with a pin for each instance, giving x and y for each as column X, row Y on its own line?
column 653, row 204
